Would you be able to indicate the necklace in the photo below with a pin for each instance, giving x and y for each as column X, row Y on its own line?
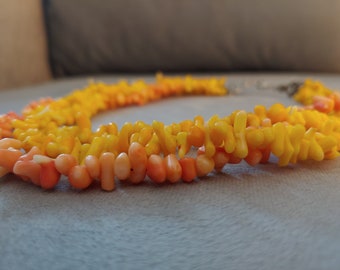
column 54, row 137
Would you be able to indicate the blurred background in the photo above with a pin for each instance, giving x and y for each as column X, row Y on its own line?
column 45, row 39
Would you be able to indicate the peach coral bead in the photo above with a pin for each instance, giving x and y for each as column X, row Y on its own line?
column 8, row 157
column 93, row 166
column 221, row 158
column 138, row 158
column 64, row 163
column 173, row 168
column 107, row 172
column 122, row 166
column 6, row 143
column 189, row 172
column 156, row 169
column 28, row 170
column 79, row 177
column 49, row 175
column 204, row 165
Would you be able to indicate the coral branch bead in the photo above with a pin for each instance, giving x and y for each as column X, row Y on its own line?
column 156, row 169
column 79, row 177
column 173, row 168
column 221, row 158
column 6, row 143
column 49, row 175
column 204, row 165
column 107, row 171
column 122, row 166
column 4, row 171
column 93, row 166
column 29, row 170
column 189, row 172
column 254, row 157
column 138, row 158
column 64, row 163
column 8, row 158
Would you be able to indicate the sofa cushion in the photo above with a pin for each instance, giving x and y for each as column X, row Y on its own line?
column 119, row 36
column 24, row 57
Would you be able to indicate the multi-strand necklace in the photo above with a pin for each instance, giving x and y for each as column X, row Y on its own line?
column 54, row 137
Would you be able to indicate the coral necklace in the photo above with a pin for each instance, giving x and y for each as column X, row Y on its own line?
column 55, row 137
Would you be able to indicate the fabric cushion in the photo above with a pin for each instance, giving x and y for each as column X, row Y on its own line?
column 115, row 36
column 24, row 57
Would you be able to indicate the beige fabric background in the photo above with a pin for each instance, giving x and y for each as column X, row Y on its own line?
column 23, row 48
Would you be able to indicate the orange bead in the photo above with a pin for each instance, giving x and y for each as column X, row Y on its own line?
column 155, row 169
column 254, row 157
column 204, row 165
column 221, row 158
column 49, row 176
column 107, row 173
column 64, row 163
column 79, row 177
column 336, row 98
column 265, row 155
column 234, row 160
column 189, row 172
column 122, row 166
column 8, row 157
column 196, row 136
column 29, row 155
column 138, row 159
column 173, row 168
column 92, row 165
column 3, row 171
column 28, row 170
column 10, row 142
column 323, row 104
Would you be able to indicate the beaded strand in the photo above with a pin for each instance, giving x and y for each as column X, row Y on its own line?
column 55, row 137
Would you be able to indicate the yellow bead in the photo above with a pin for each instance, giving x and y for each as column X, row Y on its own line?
column 52, row 149
column 287, row 153
column 183, row 146
column 111, row 144
column 278, row 143
column 260, row 111
column 315, row 151
column 296, row 135
column 145, row 135
column 82, row 121
column 76, row 149
column 240, row 122
column 277, row 113
column 153, row 147
column 327, row 143
column 97, row 146
column 229, row 141
column 218, row 132
column 255, row 138
column 304, row 149
column 124, row 137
